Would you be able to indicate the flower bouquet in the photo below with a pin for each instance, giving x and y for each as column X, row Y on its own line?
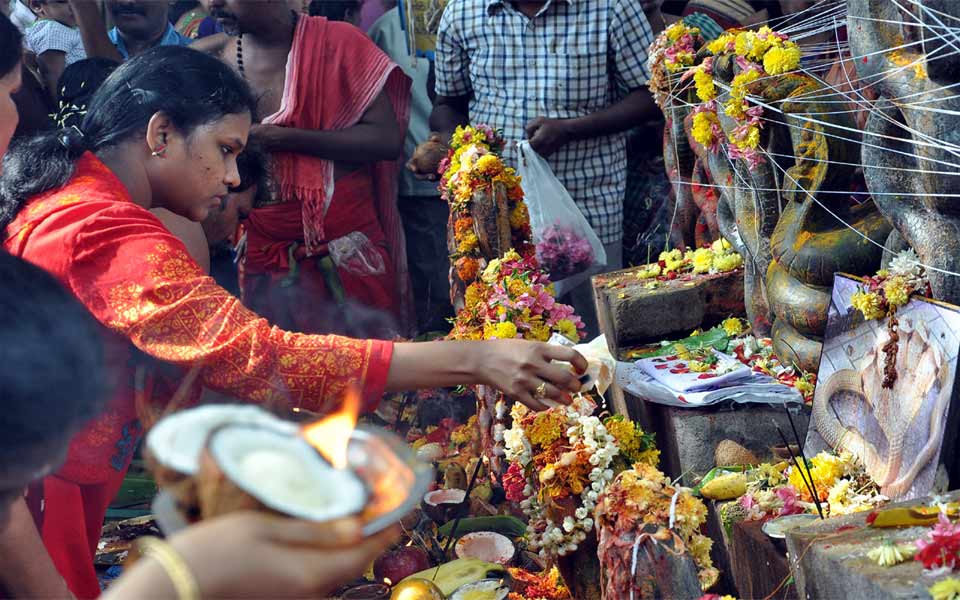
column 563, row 252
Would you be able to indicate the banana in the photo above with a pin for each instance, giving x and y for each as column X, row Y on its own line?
column 455, row 574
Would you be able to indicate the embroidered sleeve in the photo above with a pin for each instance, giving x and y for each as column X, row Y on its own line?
column 139, row 281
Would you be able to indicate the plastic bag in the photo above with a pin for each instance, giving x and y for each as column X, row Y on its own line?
column 567, row 247
column 355, row 254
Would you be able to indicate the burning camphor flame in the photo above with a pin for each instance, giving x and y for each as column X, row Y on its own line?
column 331, row 435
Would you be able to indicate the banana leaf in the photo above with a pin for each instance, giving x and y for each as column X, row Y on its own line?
column 715, row 338
column 511, row 527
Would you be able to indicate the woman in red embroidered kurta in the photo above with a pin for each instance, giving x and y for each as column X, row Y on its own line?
column 165, row 130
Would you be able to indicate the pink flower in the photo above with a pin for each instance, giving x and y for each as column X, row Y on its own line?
column 563, row 252
column 942, row 546
column 789, row 496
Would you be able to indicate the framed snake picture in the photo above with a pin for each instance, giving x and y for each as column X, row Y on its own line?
column 885, row 391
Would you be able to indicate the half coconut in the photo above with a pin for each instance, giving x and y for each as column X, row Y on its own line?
column 488, row 546
column 261, row 468
column 485, row 589
column 175, row 443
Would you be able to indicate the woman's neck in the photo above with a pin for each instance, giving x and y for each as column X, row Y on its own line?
column 124, row 162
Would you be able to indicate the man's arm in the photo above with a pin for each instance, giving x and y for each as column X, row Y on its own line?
column 629, row 37
column 375, row 137
column 26, row 570
column 548, row 135
column 52, row 63
column 449, row 112
column 93, row 31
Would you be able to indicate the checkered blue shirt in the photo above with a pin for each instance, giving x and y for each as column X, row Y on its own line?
column 574, row 58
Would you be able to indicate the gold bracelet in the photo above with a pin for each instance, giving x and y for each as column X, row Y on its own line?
column 184, row 583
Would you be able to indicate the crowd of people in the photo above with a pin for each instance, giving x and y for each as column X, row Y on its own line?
column 221, row 187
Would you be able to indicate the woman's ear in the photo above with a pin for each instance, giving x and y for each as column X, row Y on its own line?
column 159, row 130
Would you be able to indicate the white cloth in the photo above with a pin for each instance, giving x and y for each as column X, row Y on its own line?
column 47, row 35
column 387, row 33
column 20, row 15
column 636, row 382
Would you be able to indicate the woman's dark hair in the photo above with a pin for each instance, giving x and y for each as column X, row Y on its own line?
column 77, row 85
column 335, row 10
column 190, row 87
column 52, row 371
column 11, row 43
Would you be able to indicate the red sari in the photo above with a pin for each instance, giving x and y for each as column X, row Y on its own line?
column 334, row 74
column 137, row 279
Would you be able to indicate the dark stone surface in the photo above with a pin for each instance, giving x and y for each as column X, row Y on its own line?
column 634, row 314
column 829, row 560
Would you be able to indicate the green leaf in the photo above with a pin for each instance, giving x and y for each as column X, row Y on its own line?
column 715, row 338
column 509, row 526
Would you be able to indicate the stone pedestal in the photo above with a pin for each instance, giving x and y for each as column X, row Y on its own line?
column 759, row 564
column 829, row 560
column 629, row 313
column 687, row 437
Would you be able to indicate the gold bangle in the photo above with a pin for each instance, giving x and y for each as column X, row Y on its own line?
column 184, row 583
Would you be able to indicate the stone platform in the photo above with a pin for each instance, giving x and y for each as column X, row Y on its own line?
column 829, row 560
column 687, row 437
column 630, row 313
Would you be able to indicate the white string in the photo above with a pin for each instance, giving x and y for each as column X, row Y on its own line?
column 827, row 18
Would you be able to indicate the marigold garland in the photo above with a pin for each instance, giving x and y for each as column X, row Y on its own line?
column 473, row 167
column 757, row 54
column 645, row 496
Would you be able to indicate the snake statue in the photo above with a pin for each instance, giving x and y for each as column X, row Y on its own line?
column 784, row 216
column 909, row 150
column 820, row 232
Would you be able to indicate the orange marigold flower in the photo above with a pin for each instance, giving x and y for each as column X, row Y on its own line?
column 462, row 225
column 467, row 268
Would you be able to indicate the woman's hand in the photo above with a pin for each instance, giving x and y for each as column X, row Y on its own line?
column 522, row 370
column 258, row 555
column 525, row 371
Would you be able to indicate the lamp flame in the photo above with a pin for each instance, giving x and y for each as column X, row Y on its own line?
column 331, row 435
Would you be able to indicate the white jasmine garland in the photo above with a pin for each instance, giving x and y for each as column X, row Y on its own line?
column 559, row 539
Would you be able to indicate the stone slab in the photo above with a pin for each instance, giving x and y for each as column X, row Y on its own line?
column 687, row 437
column 829, row 560
column 629, row 313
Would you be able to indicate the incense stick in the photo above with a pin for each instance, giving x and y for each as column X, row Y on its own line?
column 456, row 522
column 810, row 486
column 793, row 427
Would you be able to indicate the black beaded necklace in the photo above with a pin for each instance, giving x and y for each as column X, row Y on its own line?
column 293, row 17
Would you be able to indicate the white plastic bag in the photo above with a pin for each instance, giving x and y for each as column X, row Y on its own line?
column 355, row 254
column 567, row 247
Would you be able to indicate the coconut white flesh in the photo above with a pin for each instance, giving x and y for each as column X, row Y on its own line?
column 485, row 545
column 177, row 440
column 286, row 473
column 485, row 589
column 451, row 496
